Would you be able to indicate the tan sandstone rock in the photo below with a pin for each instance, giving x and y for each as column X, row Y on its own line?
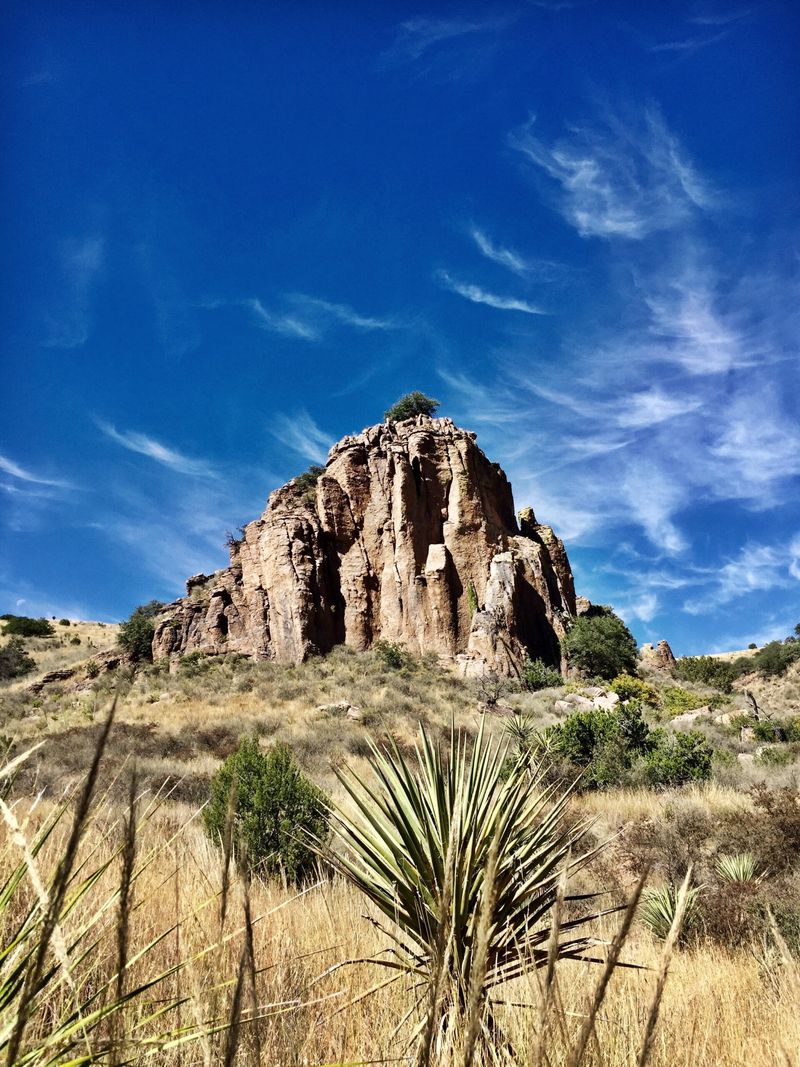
column 660, row 657
column 409, row 527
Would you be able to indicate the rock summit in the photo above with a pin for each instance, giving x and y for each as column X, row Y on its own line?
column 408, row 535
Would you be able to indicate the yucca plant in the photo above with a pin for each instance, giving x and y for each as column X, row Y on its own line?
column 463, row 858
column 739, row 869
column 658, row 908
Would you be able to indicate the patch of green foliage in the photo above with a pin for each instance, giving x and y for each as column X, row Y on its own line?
column 677, row 700
column 771, row 661
column 614, row 746
column 675, row 759
column 601, row 645
column 14, row 660
column 411, row 404
column 136, row 633
column 22, row 626
column 64, row 622
column 628, row 687
column 472, row 597
column 537, row 675
column 392, row 655
column 307, row 481
column 277, row 811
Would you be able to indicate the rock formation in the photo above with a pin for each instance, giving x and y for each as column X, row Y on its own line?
column 409, row 535
column 660, row 657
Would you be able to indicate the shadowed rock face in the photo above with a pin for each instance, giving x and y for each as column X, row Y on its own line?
column 408, row 529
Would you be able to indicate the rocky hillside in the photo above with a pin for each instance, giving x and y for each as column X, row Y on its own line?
column 408, row 535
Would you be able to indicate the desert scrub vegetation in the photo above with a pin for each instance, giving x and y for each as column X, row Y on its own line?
column 14, row 660
column 411, row 404
column 600, row 645
column 22, row 626
column 136, row 633
column 221, row 966
column 265, row 809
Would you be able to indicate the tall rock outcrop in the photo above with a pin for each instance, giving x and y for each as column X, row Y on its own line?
column 409, row 535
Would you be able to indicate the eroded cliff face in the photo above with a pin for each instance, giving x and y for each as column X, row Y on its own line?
column 409, row 536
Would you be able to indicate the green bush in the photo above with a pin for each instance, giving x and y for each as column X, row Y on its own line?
column 307, row 481
column 605, row 743
column 75, row 639
column 22, row 626
column 136, row 633
column 677, row 700
column 278, row 811
column 14, row 660
column 92, row 669
column 64, row 622
column 707, row 670
column 392, row 655
column 537, row 675
column 601, row 645
column 675, row 759
column 628, row 687
column 411, row 404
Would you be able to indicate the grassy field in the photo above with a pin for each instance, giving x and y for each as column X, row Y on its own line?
column 730, row 998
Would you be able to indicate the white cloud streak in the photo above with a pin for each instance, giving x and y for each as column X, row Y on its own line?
column 24, row 475
column 80, row 262
column 160, row 453
column 301, row 434
column 625, row 180
column 477, row 295
column 417, row 36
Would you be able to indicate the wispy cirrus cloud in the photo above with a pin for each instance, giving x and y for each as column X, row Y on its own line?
column 624, row 178
column 417, row 36
column 301, row 434
column 756, row 568
column 23, row 474
column 307, row 318
column 79, row 265
column 478, row 295
column 541, row 270
column 144, row 445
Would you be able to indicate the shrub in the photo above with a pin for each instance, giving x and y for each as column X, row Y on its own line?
column 411, row 404
column 752, row 645
column 92, row 669
column 14, row 660
column 601, row 645
column 677, row 700
column 706, row 670
column 676, row 759
column 392, row 655
column 22, row 626
column 64, row 622
column 628, row 687
column 136, row 633
column 537, row 675
column 605, row 743
column 75, row 639
column 278, row 811
column 307, row 481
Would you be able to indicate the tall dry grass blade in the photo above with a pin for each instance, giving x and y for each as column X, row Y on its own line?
column 58, row 891
column 588, row 1028
column 124, row 913
column 663, row 970
column 548, row 985
column 473, row 1016
column 250, row 956
column 234, row 1026
column 227, row 851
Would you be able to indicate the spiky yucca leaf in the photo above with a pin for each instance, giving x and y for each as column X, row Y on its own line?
column 418, row 845
column 659, row 907
column 740, row 869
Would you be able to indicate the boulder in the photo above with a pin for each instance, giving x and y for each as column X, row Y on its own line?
column 660, row 657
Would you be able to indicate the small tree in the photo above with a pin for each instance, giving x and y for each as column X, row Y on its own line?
column 14, row 660
column 278, row 811
column 411, row 404
column 22, row 626
column 601, row 645
column 136, row 633
column 537, row 675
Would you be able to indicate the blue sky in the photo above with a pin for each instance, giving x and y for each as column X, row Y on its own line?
column 236, row 232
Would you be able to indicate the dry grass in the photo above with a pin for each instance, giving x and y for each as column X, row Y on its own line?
column 52, row 653
column 719, row 1008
